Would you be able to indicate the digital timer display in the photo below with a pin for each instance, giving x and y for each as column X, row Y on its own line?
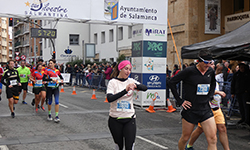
column 43, row 33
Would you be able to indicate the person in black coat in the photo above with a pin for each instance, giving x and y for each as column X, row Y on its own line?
column 240, row 87
column 69, row 69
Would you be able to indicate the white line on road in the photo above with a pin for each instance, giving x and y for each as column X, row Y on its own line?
column 151, row 142
column 63, row 105
column 3, row 147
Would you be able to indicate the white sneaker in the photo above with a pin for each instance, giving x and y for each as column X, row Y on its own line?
column 49, row 118
column 57, row 119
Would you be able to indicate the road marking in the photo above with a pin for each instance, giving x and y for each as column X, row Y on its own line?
column 151, row 142
column 83, row 91
column 3, row 147
column 63, row 105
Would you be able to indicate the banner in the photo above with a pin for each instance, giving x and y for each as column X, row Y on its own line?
column 66, row 77
column 212, row 17
column 127, row 11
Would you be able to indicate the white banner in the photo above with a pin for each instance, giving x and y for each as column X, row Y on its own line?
column 154, row 65
column 127, row 11
column 66, row 77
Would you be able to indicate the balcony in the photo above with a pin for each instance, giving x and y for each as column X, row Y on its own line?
column 10, row 55
column 17, row 22
column 26, row 43
column 4, row 34
column 4, row 43
column 4, row 26
column 17, row 32
column 18, row 44
column 4, row 52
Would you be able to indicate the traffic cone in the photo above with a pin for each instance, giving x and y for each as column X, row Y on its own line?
column 29, row 84
column 62, row 89
column 106, row 100
column 170, row 107
column 93, row 95
column 151, row 107
column 74, row 91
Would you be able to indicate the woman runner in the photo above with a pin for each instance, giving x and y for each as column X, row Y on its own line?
column 52, row 76
column 38, row 87
column 122, row 113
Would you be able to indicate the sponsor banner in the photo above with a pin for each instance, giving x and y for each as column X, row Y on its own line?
column 127, row 11
column 137, row 49
column 212, row 16
column 136, row 76
column 153, row 65
column 154, row 81
column 158, row 95
column 136, row 63
column 149, row 32
column 234, row 21
column 154, row 49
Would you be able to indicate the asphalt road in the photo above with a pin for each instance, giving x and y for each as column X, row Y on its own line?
column 84, row 126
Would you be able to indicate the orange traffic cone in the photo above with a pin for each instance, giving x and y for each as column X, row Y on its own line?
column 74, row 91
column 106, row 100
column 170, row 107
column 151, row 108
column 93, row 95
column 62, row 89
column 29, row 84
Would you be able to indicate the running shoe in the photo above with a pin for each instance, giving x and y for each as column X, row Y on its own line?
column 36, row 110
column 190, row 148
column 13, row 115
column 43, row 108
column 49, row 118
column 33, row 102
column 14, row 107
column 24, row 102
column 57, row 119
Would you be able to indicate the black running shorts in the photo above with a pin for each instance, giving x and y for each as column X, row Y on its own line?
column 38, row 90
column 196, row 116
column 24, row 86
column 13, row 92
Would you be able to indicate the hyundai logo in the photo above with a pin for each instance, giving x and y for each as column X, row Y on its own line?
column 68, row 51
column 154, row 78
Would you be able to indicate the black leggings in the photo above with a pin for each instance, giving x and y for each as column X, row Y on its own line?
column 123, row 128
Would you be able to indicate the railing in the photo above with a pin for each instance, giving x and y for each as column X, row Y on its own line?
column 17, row 44
column 17, row 32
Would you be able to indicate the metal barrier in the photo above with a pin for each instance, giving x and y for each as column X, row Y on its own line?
column 97, row 82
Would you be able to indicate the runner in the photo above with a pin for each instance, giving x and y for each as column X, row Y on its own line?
column 11, row 80
column 1, row 74
column 24, row 73
column 122, row 116
column 218, row 115
column 38, row 87
column 52, row 75
column 199, row 85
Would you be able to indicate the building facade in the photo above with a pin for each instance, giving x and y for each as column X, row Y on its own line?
column 192, row 22
column 24, row 43
column 5, row 41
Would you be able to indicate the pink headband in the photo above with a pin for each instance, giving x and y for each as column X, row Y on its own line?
column 123, row 64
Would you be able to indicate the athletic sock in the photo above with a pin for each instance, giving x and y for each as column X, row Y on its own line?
column 188, row 146
column 49, row 112
column 56, row 114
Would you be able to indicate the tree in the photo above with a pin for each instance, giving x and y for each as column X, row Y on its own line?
column 121, row 58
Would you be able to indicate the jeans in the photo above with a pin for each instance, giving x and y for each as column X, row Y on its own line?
column 70, row 79
column 83, row 80
column 77, row 78
column 244, row 109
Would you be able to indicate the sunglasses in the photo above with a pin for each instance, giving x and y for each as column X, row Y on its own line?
column 205, row 61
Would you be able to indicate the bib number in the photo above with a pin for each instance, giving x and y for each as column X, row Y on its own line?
column 23, row 75
column 203, row 89
column 13, row 82
column 124, row 106
column 39, row 81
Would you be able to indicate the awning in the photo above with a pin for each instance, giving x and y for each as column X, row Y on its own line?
column 234, row 45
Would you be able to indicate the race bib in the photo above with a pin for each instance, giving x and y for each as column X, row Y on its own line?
column 123, row 106
column 39, row 81
column 23, row 75
column 203, row 89
column 13, row 82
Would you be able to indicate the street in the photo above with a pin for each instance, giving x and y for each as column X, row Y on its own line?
column 84, row 126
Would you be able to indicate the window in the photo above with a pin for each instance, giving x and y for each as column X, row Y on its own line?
column 238, row 5
column 120, row 33
column 44, row 22
column 49, row 43
column 111, row 35
column 95, row 38
column 129, row 32
column 103, row 37
column 74, row 39
column 111, row 59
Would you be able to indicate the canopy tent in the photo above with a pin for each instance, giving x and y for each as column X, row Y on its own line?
column 234, row 45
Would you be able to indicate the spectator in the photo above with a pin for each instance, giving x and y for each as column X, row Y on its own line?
column 168, row 72
column 89, row 76
column 107, row 73
column 62, row 68
column 176, row 70
column 69, row 69
column 77, row 73
column 83, row 76
column 16, row 65
column 240, row 87
column 219, row 76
